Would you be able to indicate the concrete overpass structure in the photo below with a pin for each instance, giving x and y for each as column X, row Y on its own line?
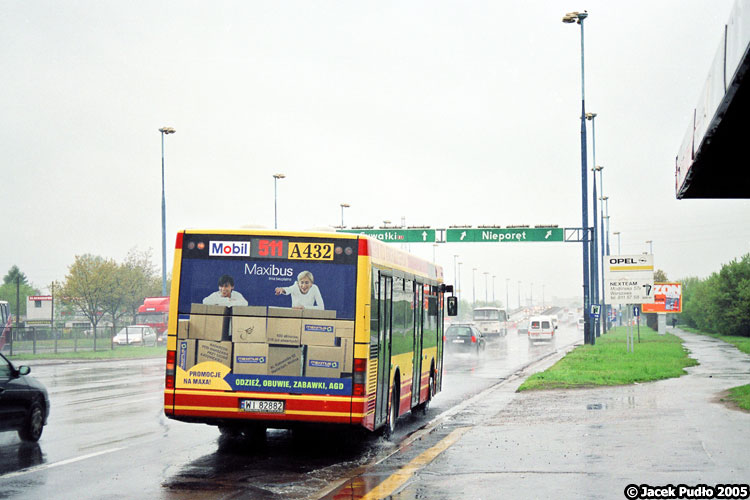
column 713, row 159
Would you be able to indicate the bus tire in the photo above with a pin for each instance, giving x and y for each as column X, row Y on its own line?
column 421, row 409
column 390, row 424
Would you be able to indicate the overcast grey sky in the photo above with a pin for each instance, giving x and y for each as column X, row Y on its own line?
column 440, row 112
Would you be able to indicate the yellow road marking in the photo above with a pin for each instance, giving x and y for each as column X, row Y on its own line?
column 397, row 479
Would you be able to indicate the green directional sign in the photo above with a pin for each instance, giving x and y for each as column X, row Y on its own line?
column 498, row 235
column 396, row 235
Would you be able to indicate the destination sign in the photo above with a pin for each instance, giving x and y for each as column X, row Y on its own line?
column 396, row 235
column 508, row 235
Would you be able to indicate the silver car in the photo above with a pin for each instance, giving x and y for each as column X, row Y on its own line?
column 135, row 335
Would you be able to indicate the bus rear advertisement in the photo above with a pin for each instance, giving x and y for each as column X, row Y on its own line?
column 277, row 329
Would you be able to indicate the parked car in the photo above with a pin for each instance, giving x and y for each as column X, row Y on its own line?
column 24, row 402
column 541, row 328
column 464, row 338
column 135, row 335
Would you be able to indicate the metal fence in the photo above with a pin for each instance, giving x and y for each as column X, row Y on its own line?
column 44, row 339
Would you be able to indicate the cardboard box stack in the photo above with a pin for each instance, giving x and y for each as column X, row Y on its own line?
column 328, row 343
column 267, row 341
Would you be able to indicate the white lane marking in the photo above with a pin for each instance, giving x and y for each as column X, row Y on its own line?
column 58, row 464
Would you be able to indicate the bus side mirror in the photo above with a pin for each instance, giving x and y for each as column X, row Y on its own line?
column 452, row 306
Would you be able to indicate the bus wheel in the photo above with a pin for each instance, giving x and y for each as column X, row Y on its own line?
column 422, row 408
column 390, row 425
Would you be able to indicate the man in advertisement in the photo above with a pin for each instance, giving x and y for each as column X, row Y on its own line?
column 226, row 295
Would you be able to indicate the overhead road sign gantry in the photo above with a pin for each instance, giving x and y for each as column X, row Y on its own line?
column 500, row 235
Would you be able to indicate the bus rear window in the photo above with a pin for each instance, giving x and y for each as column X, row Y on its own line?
column 303, row 273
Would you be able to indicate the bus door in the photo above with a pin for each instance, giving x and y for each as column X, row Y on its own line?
column 416, row 381
column 439, row 367
column 384, row 349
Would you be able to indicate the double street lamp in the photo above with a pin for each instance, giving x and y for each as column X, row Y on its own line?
column 164, row 131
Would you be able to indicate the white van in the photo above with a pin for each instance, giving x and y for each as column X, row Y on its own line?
column 541, row 328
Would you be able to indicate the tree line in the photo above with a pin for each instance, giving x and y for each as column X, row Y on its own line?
column 95, row 286
column 721, row 302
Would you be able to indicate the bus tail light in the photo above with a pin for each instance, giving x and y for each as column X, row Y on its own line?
column 169, row 378
column 360, row 369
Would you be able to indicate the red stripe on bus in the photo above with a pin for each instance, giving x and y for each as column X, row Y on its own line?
column 364, row 247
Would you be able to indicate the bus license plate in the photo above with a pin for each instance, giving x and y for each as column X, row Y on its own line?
column 262, row 406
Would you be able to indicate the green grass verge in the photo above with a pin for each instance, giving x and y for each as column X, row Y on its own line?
column 741, row 394
column 607, row 363
column 105, row 353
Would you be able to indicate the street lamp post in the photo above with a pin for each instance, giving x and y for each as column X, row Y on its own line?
column 460, row 291
column 473, row 287
column 455, row 272
column 597, row 229
column 617, row 233
column 595, row 257
column 573, row 17
column 164, row 131
column 519, row 295
column 493, row 287
column 343, row 206
column 507, row 304
column 276, row 177
column 603, row 246
column 486, row 297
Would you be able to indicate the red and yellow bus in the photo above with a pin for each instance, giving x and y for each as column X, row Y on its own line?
column 275, row 329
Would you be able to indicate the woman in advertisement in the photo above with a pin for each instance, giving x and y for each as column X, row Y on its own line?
column 305, row 294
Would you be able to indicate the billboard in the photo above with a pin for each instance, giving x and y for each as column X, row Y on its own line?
column 667, row 299
column 628, row 279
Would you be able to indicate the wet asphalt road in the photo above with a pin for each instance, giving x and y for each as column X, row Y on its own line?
column 107, row 436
